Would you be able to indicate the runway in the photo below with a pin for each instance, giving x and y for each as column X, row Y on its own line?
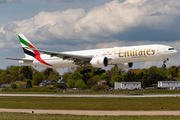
column 90, row 95
column 94, row 113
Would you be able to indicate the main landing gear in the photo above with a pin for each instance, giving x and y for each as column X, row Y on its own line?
column 85, row 71
column 100, row 71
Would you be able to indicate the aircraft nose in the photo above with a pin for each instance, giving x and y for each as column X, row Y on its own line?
column 175, row 52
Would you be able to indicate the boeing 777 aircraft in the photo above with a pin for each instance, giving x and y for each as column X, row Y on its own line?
column 123, row 57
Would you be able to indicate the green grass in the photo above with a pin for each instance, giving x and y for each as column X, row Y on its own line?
column 170, row 103
column 23, row 116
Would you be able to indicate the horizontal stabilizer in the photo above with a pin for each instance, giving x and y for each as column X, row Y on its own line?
column 26, row 60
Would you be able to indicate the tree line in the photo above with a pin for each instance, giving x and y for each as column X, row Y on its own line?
column 26, row 73
column 147, row 77
column 74, row 79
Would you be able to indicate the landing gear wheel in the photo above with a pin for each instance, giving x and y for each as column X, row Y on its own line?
column 164, row 66
column 103, row 71
column 82, row 72
column 89, row 70
column 100, row 71
column 85, row 71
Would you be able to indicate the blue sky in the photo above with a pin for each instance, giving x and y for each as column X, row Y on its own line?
column 25, row 9
column 65, row 25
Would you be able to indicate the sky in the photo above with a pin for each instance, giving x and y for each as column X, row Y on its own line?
column 68, row 25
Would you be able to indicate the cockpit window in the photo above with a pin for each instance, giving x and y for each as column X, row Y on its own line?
column 171, row 49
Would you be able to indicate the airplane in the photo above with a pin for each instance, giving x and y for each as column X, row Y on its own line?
column 122, row 57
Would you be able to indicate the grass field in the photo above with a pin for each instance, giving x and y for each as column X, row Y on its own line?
column 170, row 103
column 23, row 116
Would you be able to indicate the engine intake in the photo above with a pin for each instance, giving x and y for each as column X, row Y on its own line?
column 99, row 62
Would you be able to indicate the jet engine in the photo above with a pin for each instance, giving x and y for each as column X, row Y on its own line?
column 124, row 65
column 99, row 62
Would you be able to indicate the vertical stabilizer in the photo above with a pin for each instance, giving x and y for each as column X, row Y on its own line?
column 29, row 53
column 25, row 43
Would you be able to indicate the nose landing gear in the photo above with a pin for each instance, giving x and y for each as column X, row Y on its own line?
column 164, row 63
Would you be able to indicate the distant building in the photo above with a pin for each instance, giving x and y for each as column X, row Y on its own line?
column 5, row 85
column 127, row 85
column 46, row 83
column 62, row 81
column 169, row 84
column 24, row 83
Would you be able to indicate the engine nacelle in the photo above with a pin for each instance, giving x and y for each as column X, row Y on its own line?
column 125, row 65
column 99, row 62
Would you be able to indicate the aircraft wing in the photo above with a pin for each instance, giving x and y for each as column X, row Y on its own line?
column 66, row 56
column 26, row 60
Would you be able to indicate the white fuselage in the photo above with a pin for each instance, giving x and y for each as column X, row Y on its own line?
column 115, row 55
